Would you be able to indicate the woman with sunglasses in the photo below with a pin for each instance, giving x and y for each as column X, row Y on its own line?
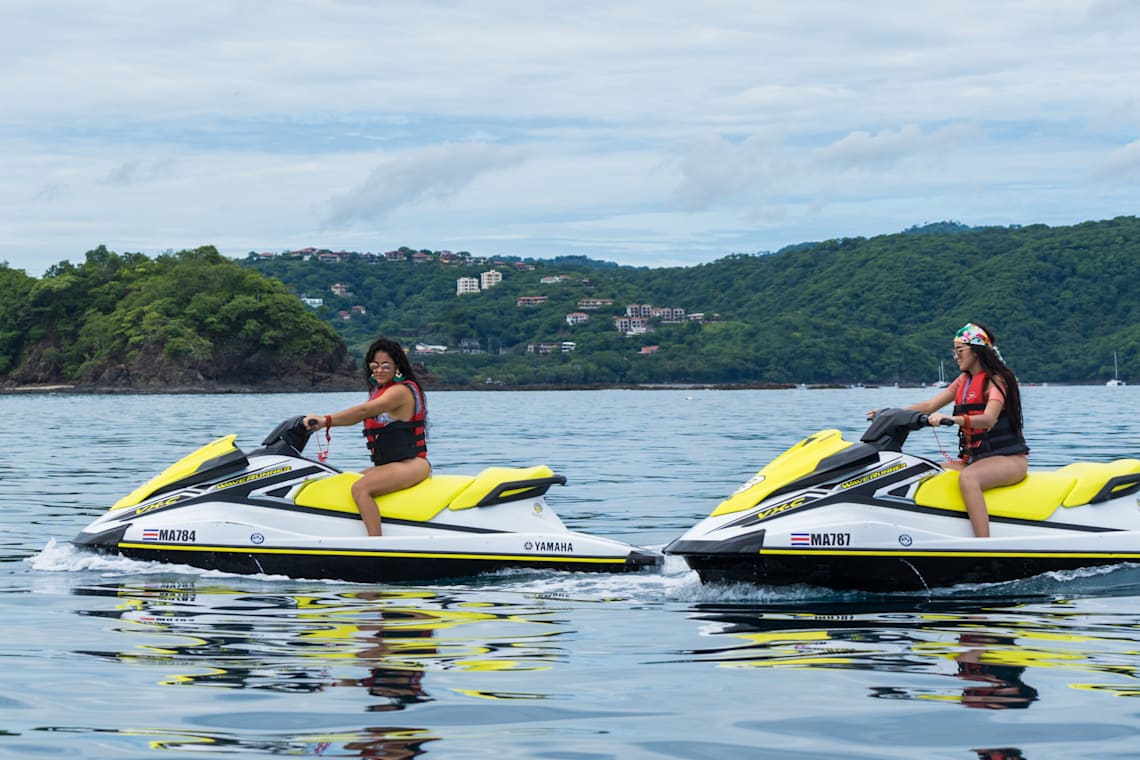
column 395, row 424
column 987, row 410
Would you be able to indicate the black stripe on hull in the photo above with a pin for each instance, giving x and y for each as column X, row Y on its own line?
column 884, row 572
column 366, row 567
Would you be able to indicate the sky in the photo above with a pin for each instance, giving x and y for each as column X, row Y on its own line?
column 663, row 133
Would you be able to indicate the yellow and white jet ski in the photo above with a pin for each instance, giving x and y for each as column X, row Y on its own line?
column 828, row 512
column 276, row 512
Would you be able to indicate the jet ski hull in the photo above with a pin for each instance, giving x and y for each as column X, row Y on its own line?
column 886, row 571
column 869, row 517
column 380, row 563
column 275, row 512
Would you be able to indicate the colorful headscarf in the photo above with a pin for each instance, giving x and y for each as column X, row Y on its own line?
column 973, row 335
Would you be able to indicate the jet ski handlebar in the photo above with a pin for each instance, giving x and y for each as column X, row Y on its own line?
column 289, row 437
column 890, row 427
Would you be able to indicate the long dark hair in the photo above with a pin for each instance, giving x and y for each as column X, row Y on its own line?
column 994, row 367
column 396, row 351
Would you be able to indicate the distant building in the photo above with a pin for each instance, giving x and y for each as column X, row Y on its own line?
column 531, row 300
column 314, row 303
column 428, row 348
column 543, row 348
column 630, row 325
column 466, row 285
column 568, row 346
column 668, row 314
column 594, row 303
column 643, row 310
column 490, row 278
column 577, row 317
column 340, row 289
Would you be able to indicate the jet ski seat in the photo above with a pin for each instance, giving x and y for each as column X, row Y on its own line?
column 1042, row 491
column 1098, row 481
column 1034, row 498
column 428, row 498
column 419, row 503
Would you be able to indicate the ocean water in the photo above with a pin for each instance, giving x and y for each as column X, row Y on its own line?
column 108, row 658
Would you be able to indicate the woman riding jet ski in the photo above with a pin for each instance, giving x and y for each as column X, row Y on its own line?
column 828, row 512
column 276, row 512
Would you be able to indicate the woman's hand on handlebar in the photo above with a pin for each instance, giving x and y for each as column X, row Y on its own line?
column 938, row 418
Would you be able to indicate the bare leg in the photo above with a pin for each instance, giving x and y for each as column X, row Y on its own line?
column 990, row 472
column 386, row 478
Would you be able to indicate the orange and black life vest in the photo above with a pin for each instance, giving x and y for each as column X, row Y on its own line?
column 1000, row 440
column 392, row 440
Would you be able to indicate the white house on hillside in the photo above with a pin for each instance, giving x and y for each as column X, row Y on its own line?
column 490, row 278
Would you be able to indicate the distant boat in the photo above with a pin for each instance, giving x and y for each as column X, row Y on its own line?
column 1115, row 381
column 941, row 375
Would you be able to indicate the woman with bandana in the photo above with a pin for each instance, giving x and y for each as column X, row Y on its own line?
column 395, row 425
column 987, row 411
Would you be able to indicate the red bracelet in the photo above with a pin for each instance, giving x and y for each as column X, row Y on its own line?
column 328, row 421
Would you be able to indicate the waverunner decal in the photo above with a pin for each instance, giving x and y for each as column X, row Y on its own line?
column 254, row 476
column 872, row 476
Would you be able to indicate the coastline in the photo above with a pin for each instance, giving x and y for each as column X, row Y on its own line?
column 429, row 387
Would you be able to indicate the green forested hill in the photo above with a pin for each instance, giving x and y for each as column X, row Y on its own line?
column 189, row 320
column 877, row 310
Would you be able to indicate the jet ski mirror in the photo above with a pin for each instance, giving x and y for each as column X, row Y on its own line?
column 289, row 437
column 890, row 427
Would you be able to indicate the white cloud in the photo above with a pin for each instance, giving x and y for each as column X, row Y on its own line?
column 1120, row 166
column 540, row 128
column 434, row 173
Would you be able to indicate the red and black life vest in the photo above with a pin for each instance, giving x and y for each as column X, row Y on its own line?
column 1000, row 440
column 396, row 440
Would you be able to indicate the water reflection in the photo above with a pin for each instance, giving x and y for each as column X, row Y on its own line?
column 995, row 683
column 988, row 653
column 373, row 651
column 1000, row 753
